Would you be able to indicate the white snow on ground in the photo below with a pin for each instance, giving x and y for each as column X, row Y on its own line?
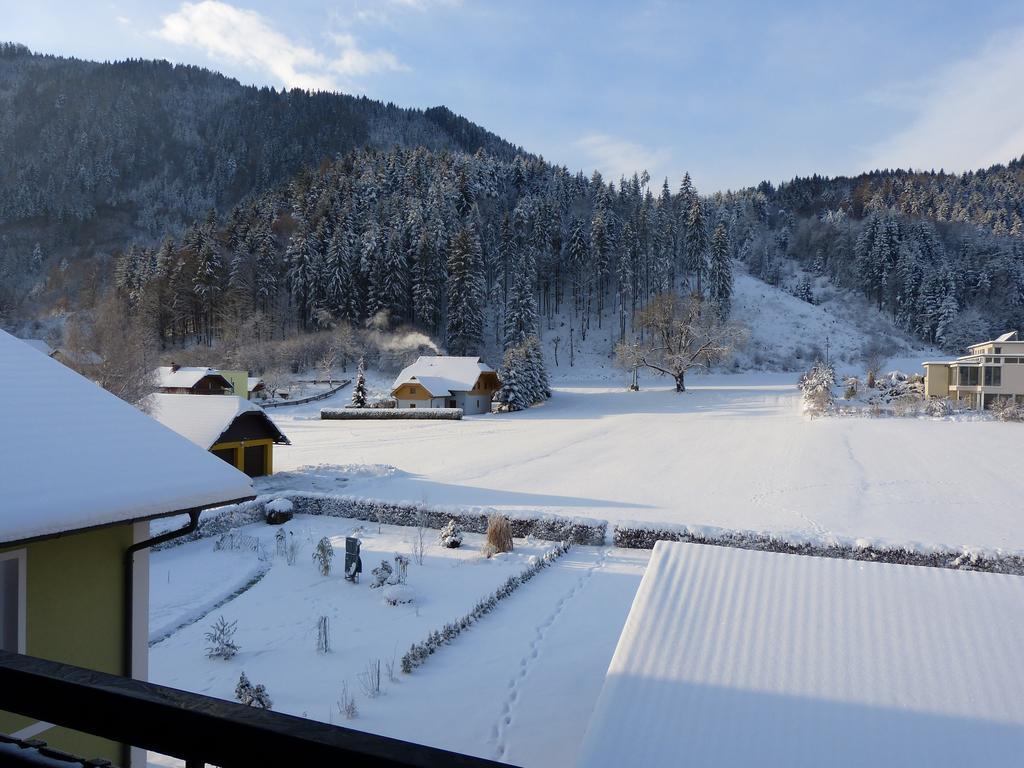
column 518, row 685
column 277, row 617
column 733, row 657
column 735, row 451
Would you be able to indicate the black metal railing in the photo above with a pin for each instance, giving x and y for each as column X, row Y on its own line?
column 194, row 728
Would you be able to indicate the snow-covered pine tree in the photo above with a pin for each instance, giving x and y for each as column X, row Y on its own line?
column 521, row 310
column 465, row 294
column 720, row 271
column 359, row 388
column 696, row 244
column 221, row 639
column 322, row 555
column 514, row 394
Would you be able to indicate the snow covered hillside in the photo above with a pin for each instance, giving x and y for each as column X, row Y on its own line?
column 786, row 334
column 734, row 452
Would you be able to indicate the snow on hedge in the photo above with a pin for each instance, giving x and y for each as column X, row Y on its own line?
column 640, row 535
column 540, row 525
column 346, row 414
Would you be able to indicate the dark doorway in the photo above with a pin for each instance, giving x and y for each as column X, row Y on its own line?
column 255, row 461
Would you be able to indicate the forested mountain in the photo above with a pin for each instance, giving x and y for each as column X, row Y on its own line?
column 96, row 154
column 309, row 212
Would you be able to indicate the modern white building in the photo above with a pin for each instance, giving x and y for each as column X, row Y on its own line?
column 732, row 657
column 447, row 382
column 994, row 370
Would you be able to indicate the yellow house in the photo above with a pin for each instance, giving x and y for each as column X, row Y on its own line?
column 994, row 370
column 231, row 428
column 439, row 381
column 81, row 474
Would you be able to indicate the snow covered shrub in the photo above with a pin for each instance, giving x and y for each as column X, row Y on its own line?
column 419, row 652
column 359, row 389
column 816, row 386
column 381, row 574
column 369, row 679
column 280, row 542
column 398, row 594
column 279, row 511
column 499, row 534
column 938, row 407
column 419, row 540
column 450, row 536
column 252, row 695
column 221, row 639
column 323, row 637
column 852, row 384
column 323, row 554
column 1004, row 409
column 291, row 552
column 401, row 569
column 347, row 703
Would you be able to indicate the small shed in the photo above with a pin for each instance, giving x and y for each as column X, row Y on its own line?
column 191, row 380
column 736, row 657
column 231, row 428
column 440, row 381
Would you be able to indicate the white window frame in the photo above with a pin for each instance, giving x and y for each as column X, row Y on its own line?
column 21, row 555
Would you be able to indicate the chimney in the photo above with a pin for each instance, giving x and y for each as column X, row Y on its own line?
column 174, row 367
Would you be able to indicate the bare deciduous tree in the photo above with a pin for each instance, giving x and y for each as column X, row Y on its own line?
column 682, row 334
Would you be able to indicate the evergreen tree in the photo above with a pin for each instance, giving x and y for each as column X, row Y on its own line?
column 465, row 294
column 359, row 389
column 696, row 244
column 720, row 271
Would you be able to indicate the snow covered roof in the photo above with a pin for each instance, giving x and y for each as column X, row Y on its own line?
column 74, row 456
column 252, row 382
column 1011, row 336
column 39, row 345
column 204, row 418
column 737, row 657
column 184, row 376
column 441, row 375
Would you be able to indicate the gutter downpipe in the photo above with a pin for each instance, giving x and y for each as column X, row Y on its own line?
column 129, row 583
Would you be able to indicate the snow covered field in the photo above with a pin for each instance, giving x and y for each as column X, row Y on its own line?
column 518, row 685
column 735, row 452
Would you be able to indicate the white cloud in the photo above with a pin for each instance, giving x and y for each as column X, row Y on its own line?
column 244, row 37
column 616, row 157
column 970, row 115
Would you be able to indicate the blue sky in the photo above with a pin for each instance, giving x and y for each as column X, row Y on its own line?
column 733, row 92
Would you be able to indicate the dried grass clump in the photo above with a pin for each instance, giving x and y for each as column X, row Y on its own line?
column 499, row 535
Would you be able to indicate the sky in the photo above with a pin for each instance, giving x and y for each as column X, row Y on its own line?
column 733, row 92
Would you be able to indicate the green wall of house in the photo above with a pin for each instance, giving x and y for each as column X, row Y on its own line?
column 74, row 602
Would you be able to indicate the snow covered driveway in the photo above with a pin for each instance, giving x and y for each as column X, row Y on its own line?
column 735, row 452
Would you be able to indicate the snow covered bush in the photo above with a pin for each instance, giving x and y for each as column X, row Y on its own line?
column 450, row 536
column 938, row 407
column 369, row 679
column 499, row 535
column 347, row 703
column 398, row 594
column 359, row 390
column 641, row 536
column 816, row 386
column 280, row 542
column 420, row 652
column 323, row 554
column 578, row 530
column 852, row 385
column 381, row 574
column 221, row 639
column 252, row 695
column 279, row 511
column 291, row 552
column 382, row 414
column 1007, row 410
column 401, row 569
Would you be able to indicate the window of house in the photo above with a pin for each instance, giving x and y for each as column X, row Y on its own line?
column 968, row 377
column 993, row 376
column 999, row 350
column 12, row 601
